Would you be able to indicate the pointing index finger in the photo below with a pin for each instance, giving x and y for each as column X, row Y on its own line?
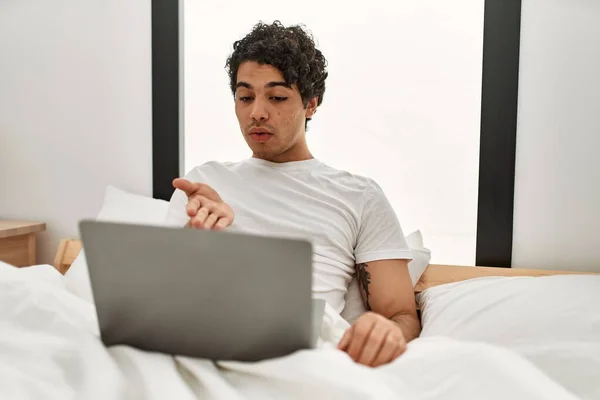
column 186, row 186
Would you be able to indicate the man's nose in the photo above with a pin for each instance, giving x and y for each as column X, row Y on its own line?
column 259, row 111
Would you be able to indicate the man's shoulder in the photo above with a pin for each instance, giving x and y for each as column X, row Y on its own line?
column 212, row 167
column 347, row 178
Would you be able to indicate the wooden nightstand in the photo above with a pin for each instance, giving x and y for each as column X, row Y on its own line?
column 18, row 242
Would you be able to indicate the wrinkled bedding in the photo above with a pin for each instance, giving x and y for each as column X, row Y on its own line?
column 50, row 349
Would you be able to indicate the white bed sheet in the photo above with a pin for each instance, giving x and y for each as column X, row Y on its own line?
column 552, row 321
column 50, row 349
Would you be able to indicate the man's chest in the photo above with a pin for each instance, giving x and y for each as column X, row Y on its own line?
column 294, row 209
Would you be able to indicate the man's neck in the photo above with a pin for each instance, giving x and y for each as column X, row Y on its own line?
column 290, row 155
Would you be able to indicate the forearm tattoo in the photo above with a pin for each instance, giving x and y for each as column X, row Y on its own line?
column 364, row 279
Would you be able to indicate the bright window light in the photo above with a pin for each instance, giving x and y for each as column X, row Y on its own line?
column 402, row 103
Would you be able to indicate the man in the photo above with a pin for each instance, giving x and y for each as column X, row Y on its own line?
column 277, row 77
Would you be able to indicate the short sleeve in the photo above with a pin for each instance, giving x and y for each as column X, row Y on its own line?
column 380, row 236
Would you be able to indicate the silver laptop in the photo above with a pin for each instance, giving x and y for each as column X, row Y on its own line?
column 215, row 295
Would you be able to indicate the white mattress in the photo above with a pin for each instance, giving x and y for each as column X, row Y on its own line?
column 50, row 349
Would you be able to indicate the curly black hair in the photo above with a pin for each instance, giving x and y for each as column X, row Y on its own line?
column 290, row 49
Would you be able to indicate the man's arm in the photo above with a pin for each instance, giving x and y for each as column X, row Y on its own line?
column 387, row 289
column 380, row 335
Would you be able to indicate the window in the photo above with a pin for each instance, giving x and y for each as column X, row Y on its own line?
column 402, row 103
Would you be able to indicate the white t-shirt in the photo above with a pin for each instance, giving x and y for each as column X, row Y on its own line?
column 346, row 217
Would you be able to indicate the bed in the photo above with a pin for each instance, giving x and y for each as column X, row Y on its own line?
column 492, row 333
column 506, row 335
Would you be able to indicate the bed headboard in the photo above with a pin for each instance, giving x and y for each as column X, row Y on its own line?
column 434, row 274
column 68, row 249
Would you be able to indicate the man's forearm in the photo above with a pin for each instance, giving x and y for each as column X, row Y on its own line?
column 409, row 324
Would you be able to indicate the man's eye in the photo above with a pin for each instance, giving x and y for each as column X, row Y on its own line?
column 278, row 98
column 245, row 99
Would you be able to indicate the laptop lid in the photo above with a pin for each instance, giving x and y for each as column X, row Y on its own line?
column 217, row 295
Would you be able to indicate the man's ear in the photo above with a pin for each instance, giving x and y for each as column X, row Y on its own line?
column 311, row 107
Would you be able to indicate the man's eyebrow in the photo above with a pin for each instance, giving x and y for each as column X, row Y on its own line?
column 273, row 84
column 268, row 85
column 243, row 84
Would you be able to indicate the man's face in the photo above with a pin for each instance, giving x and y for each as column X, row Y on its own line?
column 270, row 113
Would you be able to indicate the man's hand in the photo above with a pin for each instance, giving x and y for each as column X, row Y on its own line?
column 373, row 340
column 205, row 207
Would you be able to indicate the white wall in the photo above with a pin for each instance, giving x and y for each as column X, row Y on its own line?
column 75, row 109
column 402, row 103
column 557, row 188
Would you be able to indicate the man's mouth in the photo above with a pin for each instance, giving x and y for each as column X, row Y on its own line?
column 260, row 135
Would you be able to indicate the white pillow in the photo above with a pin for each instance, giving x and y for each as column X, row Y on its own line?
column 355, row 307
column 553, row 321
column 122, row 206
column 118, row 206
